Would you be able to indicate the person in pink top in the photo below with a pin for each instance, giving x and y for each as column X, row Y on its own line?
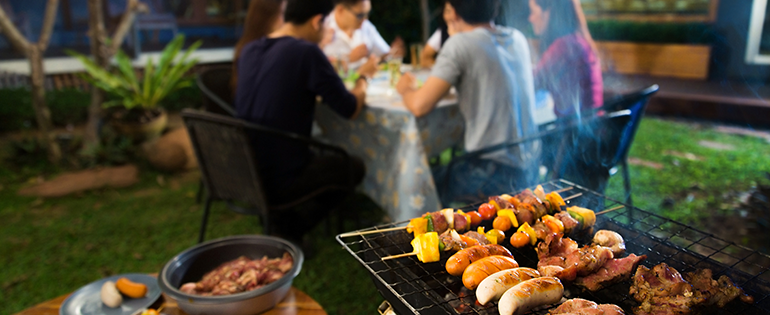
column 569, row 68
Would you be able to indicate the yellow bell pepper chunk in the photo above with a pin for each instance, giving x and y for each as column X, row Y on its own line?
column 555, row 200
column 494, row 203
column 529, row 231
column 480, row 230
column 589, row 217
column 418, row 226
column 509, row 213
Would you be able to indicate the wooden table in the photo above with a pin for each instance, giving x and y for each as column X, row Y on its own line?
column 295, row 303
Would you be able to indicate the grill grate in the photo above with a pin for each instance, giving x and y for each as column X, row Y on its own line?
column 413, row 287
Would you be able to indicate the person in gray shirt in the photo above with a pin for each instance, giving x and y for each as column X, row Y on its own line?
column 491, row 68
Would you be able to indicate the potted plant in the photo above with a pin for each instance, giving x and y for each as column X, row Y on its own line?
column 135, row 100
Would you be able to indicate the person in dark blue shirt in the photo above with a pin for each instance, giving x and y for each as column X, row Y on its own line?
column 280, row 78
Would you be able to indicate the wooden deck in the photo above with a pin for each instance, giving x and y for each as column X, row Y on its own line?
column 744, row 103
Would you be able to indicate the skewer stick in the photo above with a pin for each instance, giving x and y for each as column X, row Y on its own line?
column 399, row 256
column 565, row 189
column 573, row 196
column 610, row 210
column 357, row 233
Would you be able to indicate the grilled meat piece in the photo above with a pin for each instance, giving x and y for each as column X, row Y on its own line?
column 564, row 253
column 240, row 275
column 586, row 307
column 477, row 236
column 715, row 292
column 440, row 225
column 615, row 270
column 569, row 222
column 452, row 244
column 662, row 290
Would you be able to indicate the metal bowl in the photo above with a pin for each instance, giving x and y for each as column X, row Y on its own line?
column 193, row 263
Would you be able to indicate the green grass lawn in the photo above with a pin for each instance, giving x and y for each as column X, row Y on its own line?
column 52, row 247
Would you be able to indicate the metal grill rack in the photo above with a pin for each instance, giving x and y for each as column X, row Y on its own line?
column 416, row 288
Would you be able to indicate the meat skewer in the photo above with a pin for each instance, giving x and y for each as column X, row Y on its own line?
column 413, row 224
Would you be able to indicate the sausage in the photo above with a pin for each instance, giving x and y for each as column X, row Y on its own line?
column 480, row 269
column 493, row 287
column 530, row 294
column 463, row 258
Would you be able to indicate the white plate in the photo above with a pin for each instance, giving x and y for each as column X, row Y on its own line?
column 87, row 300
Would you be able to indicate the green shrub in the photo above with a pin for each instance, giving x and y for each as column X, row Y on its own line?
column 70, row 106
column 647, row 32
column 67, row 106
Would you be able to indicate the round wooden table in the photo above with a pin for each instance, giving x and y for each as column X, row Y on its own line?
column 295, row 303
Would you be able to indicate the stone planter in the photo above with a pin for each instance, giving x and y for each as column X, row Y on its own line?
column 667, row 60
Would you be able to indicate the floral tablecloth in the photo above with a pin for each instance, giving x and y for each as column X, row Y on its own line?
column 396, row 146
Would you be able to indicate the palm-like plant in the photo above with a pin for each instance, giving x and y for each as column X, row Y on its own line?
column 148, row 91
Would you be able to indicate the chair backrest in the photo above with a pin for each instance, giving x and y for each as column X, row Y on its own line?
column 588, row 152
column 636, row 102
column 214, row 84
column 226, row 159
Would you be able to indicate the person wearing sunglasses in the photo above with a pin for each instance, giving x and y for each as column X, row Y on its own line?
column 355, row 37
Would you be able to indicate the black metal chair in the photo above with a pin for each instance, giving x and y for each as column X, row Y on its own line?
column 595, row 124
column 214, row 83
column 229, row 168
column 571, row 160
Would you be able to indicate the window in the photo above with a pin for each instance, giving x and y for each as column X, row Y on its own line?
column 758, row 45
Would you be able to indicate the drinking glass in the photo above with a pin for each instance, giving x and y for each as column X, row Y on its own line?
column 394, row 67
column 416, row 51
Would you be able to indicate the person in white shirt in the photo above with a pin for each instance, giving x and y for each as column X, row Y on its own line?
column 432, row 47
column 355, row 38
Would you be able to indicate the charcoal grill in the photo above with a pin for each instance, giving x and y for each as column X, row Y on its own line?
column 412, row 287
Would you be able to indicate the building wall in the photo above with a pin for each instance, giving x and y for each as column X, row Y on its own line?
column 729, row 51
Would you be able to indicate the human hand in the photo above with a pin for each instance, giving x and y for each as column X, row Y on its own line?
column 369, row 68
column 397, row 48
column 407, row 83
column 359, row 52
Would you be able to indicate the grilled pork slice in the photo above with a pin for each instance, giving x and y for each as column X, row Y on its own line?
column 564, row 253
column 586, row 307
column 715, row 292
column 615, row 270
column 662, row 290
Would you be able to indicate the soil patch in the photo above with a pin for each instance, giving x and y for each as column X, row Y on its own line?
column 746, row 224
column 716, row 145
column 640, row 162
column 70, row 183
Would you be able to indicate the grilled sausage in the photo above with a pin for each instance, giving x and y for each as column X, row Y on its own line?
column 529, row 294
column 480, row 269
column 462, row 259
column 493, row 287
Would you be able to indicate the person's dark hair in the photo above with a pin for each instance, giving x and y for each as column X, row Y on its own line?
column 476, row 11
column 563, row 20
column 348, row 3
column 260, row 20
column 300, row 11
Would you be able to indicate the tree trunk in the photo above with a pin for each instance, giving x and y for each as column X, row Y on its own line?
column 102, row 53
column 42, row 113
column 97, row 34
column 34, row 53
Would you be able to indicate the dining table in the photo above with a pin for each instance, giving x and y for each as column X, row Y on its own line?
column 296, row 302
column 396, row 146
